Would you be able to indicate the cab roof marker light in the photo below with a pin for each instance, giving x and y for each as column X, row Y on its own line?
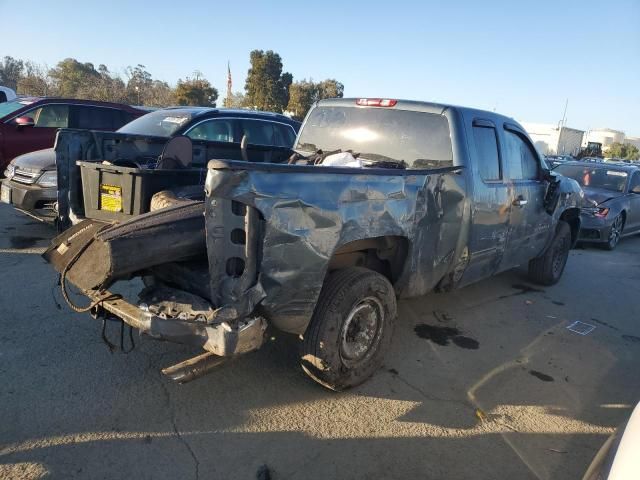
column 376, row 102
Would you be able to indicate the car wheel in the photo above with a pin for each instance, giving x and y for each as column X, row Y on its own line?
column 350, row 329
column 615, row 233
column 547, row 268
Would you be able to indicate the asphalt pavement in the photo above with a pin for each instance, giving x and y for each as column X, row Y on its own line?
column 485, row 382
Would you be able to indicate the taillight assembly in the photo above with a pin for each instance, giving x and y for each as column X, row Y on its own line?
column 376, row 102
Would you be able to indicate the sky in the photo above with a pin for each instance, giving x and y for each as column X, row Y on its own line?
column 521, row 59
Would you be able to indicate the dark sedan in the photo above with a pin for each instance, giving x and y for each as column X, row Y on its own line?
column 612, row 200
column 31, row 183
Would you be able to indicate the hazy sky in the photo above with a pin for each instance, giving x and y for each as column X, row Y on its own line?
column 522, row 58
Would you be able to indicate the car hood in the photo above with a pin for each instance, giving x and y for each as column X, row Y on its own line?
column 597, row 196
column 38, row 160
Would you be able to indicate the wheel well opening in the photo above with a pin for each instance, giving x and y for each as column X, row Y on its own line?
column 572, row 217
column 385, row 255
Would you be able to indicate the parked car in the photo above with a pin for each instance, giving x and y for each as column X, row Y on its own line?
column 30, row 178
column 202, row 125
column 618, row 458
column 6, row 94
column 28, row 124
column 612, row 200
column 379, row 199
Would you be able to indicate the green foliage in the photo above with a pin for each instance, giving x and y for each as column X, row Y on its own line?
column 10, row 72
column 35, row 80
column 623, row 150
column 303, row 94
column 196, row 92
column 267, row 88
column 70, row 76
column 236, row 101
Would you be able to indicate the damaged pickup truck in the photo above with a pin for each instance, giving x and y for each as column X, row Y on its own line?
column 379, row 199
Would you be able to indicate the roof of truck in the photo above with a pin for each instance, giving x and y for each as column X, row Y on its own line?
column 428, row 107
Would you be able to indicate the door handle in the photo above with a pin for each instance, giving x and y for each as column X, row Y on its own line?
column 520, row 202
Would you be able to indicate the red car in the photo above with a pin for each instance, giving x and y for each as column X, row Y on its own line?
column 30, row 123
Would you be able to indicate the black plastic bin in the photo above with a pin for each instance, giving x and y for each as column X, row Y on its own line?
column 119, row 193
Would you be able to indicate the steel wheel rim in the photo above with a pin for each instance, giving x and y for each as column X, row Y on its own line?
column 361, row 330
column 616, row 230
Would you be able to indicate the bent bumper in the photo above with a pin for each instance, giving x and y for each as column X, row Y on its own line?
column 224, row 339
column 594, row 230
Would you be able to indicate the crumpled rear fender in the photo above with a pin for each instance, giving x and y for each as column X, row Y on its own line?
column 310, row 212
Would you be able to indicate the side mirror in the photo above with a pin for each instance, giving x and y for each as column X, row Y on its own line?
column 636, row 189
column 25, row 122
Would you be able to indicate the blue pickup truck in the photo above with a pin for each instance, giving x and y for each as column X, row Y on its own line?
column 379, row 199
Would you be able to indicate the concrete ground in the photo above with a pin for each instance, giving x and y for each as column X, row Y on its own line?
column 483, row 383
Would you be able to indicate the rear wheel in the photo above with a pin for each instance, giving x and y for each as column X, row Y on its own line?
column 615, row 233
column 547, row 268
column 351, row 328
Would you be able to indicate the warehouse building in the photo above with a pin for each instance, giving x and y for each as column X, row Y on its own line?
column 552, row 139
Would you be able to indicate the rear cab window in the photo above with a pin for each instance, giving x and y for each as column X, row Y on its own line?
column 419, row 139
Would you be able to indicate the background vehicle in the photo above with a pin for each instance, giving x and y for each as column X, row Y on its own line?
column 137, row 153
column 618, row 458
column 612, row 197
column 28, row 124
column 31, row 179
column 320, row 250
column 6, row 94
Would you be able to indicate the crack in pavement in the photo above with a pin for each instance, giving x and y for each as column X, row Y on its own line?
column 172, row 412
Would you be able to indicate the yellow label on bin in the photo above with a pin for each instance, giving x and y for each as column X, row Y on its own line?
column 110, row 198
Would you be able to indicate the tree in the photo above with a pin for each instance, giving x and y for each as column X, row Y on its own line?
column 10, row 72
column 623, row 150
column 160, row 94
column 105, row 87
column 302, row 95
column 34, row 80
column 236, row 101
column 196, row 91
column 267, row 88
column 70, row 77
column 139, row 84
column 329, row 88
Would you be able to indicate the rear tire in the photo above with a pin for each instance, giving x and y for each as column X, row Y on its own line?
column 547, row 269
column 351, row 328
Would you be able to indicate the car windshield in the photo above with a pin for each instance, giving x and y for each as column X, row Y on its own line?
column 7, row 108
column 595, row 177
column 420, row 139
column 161, row 123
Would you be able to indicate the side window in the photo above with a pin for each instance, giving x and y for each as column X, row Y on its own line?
column 487, row 148
column 635, row 181
column 521, row 163
column 283, row 135
column 258, row 132
column 50, row 116
column 214, row 130
column 3, row 97
column 94, row 118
